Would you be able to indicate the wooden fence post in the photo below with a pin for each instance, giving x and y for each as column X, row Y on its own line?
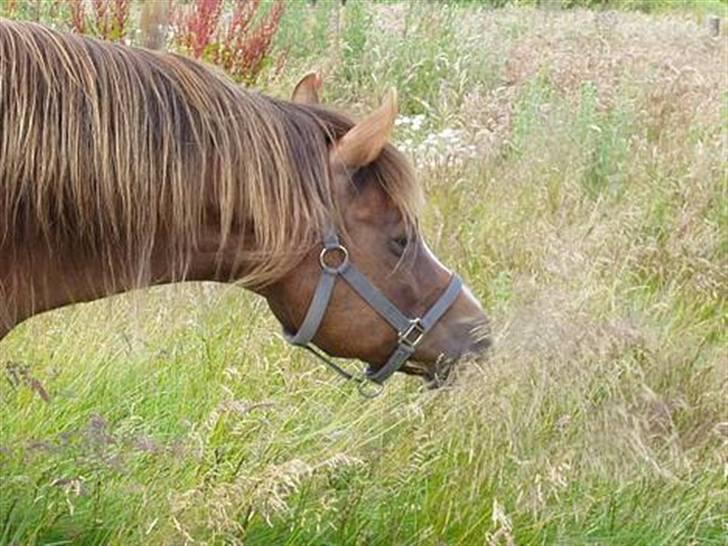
column 713, row 24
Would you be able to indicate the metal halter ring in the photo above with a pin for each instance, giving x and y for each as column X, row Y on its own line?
column 413, row 335
column 344, row 259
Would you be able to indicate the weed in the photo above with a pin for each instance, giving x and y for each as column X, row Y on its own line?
column 574, row 163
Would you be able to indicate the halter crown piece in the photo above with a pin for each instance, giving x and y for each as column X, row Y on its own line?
column 410, row 331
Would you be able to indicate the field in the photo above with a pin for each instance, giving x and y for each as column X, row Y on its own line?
column 575, row 169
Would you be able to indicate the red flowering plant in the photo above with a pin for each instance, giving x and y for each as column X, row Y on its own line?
column 237, row 38
column 239, row 42
column 107, row 19
column 33, row 10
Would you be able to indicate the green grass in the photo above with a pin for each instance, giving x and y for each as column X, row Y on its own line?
column 584, row 197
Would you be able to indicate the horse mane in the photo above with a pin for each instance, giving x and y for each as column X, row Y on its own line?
column 106, row 150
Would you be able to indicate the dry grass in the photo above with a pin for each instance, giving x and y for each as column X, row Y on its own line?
column 592, row 221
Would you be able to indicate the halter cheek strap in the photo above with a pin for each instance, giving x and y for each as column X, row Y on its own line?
column 410, row 332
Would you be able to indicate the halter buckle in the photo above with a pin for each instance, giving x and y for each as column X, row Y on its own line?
column 413, row 335
column 334, row 270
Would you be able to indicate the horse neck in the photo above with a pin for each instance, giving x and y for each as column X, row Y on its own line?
column 34, row 278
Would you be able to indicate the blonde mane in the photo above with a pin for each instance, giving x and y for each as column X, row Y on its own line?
column 108, row 150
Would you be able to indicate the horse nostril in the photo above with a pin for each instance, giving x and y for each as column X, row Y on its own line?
column 480, row 346
column 478, row 336
column 478, row 340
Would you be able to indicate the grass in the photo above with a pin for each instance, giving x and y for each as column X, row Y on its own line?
column 581, row 189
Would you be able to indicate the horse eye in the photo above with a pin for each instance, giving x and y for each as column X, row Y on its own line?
column 399, row 244
column 401, row 241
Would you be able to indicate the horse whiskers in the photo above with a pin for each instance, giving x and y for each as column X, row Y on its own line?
column 435, row 375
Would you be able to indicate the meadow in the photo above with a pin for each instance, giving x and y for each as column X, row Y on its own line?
column 574, row 163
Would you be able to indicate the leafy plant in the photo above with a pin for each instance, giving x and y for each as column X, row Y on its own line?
column 241, row 47
column 107, row 19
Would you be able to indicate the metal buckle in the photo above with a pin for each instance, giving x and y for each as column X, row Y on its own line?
column 413, row 335
column 344, row 259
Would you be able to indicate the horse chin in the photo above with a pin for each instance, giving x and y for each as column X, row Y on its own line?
column 434, row 375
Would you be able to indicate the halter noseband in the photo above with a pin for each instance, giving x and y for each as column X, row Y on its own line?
column 410, row 332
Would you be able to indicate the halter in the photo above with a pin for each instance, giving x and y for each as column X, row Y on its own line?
column 410, row 332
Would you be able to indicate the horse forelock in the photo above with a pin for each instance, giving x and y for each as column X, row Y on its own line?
column 110, row 150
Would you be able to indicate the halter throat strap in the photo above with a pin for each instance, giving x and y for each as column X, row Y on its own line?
column 410, row 331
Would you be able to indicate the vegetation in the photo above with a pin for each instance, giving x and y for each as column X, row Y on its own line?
column 575, row 167
column 241, row 46
column 647, row 6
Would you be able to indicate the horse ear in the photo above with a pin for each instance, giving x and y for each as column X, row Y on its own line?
column 364, row 142
column 307, row 90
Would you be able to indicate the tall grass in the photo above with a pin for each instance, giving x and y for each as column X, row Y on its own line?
column 575, row 167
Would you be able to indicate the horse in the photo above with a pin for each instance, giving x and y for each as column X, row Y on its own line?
column 123, row 168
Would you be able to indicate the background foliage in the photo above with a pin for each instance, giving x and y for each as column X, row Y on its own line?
column 575, row 167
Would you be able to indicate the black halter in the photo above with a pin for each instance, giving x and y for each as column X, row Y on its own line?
column 410, row 331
